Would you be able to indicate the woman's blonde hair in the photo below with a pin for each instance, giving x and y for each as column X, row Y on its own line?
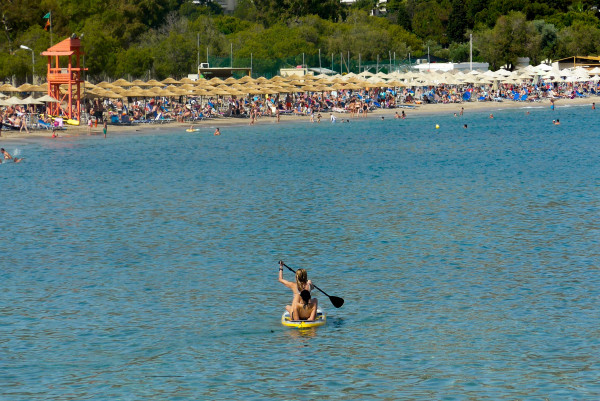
column 301, row 279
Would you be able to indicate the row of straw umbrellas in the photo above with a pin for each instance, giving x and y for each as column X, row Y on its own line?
column 248, row 86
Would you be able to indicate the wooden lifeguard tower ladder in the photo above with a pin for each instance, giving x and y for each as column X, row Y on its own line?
column 69, row 75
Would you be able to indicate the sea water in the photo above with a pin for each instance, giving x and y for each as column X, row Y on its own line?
column 144, row 266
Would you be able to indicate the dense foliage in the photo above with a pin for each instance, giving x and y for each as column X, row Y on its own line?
column 160, row 38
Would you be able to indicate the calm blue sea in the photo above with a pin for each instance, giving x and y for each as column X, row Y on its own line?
column 145, row 266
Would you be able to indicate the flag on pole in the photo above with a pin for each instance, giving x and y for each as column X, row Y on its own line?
column 48, row 18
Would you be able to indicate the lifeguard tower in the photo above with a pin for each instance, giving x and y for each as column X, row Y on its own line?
column 69, row 75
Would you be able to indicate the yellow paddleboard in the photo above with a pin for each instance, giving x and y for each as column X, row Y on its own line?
column 72, row 122
column 320, row 320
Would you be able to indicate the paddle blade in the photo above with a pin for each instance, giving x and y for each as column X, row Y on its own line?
column 337, row 301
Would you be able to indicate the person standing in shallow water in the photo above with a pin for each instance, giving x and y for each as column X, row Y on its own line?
column 105, row 128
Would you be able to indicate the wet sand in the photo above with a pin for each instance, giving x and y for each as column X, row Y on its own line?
column 211, row 123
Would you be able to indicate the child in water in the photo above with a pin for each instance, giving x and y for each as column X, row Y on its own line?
column 7, row 156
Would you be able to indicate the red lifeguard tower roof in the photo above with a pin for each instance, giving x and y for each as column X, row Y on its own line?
column 67, row 47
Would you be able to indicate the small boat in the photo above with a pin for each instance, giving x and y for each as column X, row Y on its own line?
column 320, row 320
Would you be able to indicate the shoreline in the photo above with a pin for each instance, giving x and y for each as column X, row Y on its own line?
column 424, row 109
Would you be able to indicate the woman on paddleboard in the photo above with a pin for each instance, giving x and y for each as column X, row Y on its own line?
column 302, row 284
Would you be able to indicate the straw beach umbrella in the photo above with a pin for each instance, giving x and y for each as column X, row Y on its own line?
column 31, row 100
column 25, row 88
column 47, row 99
column 170, row 81
column 105, row 85
column 122, row 82
column 13, row 101
column 8, row 88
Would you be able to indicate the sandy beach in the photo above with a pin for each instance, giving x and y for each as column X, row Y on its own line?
column 437, row 108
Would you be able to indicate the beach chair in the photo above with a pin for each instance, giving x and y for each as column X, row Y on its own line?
column 516, row 97
column 524, row 97
column 44, row 125
column 466, row 96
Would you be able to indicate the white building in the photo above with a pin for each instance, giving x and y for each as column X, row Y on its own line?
column 423, row 65
column 380, row 8
column 227, row 5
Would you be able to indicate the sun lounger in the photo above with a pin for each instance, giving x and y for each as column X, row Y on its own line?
column 44, row 125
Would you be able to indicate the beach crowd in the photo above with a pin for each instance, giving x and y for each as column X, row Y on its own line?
column 356, row 101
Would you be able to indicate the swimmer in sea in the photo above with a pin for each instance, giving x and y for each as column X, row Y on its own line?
column 396, row 115
column 557, row 122
column 465, row 126
column 403, row 115
column 7, row 156
column 491, row 116
column 217, row 132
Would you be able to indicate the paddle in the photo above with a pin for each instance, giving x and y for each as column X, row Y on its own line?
column 336, row 301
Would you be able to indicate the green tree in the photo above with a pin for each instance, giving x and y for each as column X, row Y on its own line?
column 548, row 41
column 134, row 62
column 429, row 20
column 457, row 22
column 101, row 51
column 459, row 52
column 504, row 43
column 578, row 39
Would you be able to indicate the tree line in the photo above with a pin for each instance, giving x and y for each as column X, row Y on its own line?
column 160, row 38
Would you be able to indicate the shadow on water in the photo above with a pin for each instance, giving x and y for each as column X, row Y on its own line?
column 336, row 322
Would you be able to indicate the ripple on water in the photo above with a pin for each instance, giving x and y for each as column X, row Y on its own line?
column 466, row 259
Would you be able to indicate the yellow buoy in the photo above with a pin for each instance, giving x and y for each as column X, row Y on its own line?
column 437, row 126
